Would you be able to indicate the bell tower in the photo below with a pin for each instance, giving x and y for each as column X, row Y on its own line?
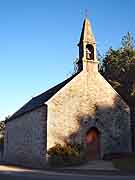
column 87, row 49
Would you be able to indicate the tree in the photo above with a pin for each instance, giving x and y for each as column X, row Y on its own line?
column 119, row 68
column 2, row 132
column 127, row 41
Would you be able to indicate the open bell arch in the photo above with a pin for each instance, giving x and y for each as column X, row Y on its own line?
column 89, row 52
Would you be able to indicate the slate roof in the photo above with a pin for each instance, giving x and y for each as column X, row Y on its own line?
column 39, row 100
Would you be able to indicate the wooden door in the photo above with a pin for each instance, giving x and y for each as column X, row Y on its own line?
column 93, row 144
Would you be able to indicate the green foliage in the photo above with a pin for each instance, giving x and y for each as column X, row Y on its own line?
column 2, row 140
column 127, row 41
column 125, row 164
column 7, row 117
column 119, row 68
column 65, row 155
column 2, row 130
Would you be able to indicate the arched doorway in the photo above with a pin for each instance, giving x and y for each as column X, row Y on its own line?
column 92, row 140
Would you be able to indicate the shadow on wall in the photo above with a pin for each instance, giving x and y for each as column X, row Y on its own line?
column 113, row 123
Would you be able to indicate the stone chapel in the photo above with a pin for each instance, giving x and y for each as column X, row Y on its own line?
column 82, row 109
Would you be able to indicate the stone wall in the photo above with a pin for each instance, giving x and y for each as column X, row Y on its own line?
column 89, row 100
column 25, row 139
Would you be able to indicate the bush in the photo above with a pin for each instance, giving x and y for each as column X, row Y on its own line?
column 2, row 140
column 124, row 164
column 66, row 155
column 119, row 155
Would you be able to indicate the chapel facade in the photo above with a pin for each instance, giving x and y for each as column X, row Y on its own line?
column 83, row 109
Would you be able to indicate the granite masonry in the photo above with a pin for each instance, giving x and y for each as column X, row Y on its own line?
column 68, row 112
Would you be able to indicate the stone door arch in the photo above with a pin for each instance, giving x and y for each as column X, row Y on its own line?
column 92, row 141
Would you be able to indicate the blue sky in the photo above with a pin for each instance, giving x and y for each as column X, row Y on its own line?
column 38, row 42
